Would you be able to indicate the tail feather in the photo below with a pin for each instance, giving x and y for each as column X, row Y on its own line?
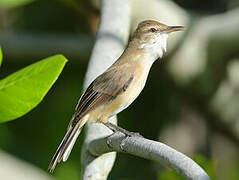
column 70, row 146
column 60, row 150
column 64, row 149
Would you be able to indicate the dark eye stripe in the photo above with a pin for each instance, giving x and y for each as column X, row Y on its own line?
column 153, row 29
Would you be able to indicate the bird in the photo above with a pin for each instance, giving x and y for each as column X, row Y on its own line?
column 116, row 88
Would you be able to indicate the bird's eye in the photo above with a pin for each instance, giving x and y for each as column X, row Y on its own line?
column 153, row 29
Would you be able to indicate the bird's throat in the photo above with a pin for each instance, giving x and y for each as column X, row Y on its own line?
column 156, row 48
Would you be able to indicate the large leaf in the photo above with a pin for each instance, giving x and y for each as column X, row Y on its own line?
column 0, row 56
column 13, row 3
column 23, row 90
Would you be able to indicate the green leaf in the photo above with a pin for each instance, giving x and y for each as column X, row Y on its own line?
column 0, row 56
column 23, row 90
column 14, row 3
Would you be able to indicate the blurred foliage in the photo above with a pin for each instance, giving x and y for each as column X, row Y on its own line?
column 63, row 173
column 169, row 175
column 14, row 3
column 21, row 91
column 0, row 56
column 208, row 165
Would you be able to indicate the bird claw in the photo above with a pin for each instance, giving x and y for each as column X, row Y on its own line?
column 108, row 142
column 122, row 143
column 133, row 134
column 127, row 135
column 116, row 129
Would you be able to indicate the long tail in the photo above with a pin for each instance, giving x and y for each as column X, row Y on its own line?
column 64, row 149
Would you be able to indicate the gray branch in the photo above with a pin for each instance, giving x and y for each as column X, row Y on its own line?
column 148, row 149
column 112, row 37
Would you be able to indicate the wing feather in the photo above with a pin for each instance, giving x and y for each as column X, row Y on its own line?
column 105, row 87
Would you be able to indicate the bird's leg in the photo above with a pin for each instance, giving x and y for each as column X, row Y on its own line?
column 115, row 128
column 127, row 134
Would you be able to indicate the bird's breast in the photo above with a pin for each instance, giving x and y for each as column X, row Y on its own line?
column 133, row 91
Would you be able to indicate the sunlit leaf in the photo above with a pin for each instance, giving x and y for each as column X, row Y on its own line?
column 23, row 90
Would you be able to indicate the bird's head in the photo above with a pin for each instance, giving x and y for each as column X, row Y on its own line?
column 152, row 36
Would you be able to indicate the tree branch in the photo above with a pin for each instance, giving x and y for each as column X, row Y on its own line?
column 148, row 149
column 112, row 37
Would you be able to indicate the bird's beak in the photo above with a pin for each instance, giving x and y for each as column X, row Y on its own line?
column 170, row 29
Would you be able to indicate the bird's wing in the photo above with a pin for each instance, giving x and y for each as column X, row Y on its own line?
column 113, row 82
column 105, row 87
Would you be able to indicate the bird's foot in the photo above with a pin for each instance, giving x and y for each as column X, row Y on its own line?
column 133, row 134
column 108, row 141
column 127, row 134
column 116, row 128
